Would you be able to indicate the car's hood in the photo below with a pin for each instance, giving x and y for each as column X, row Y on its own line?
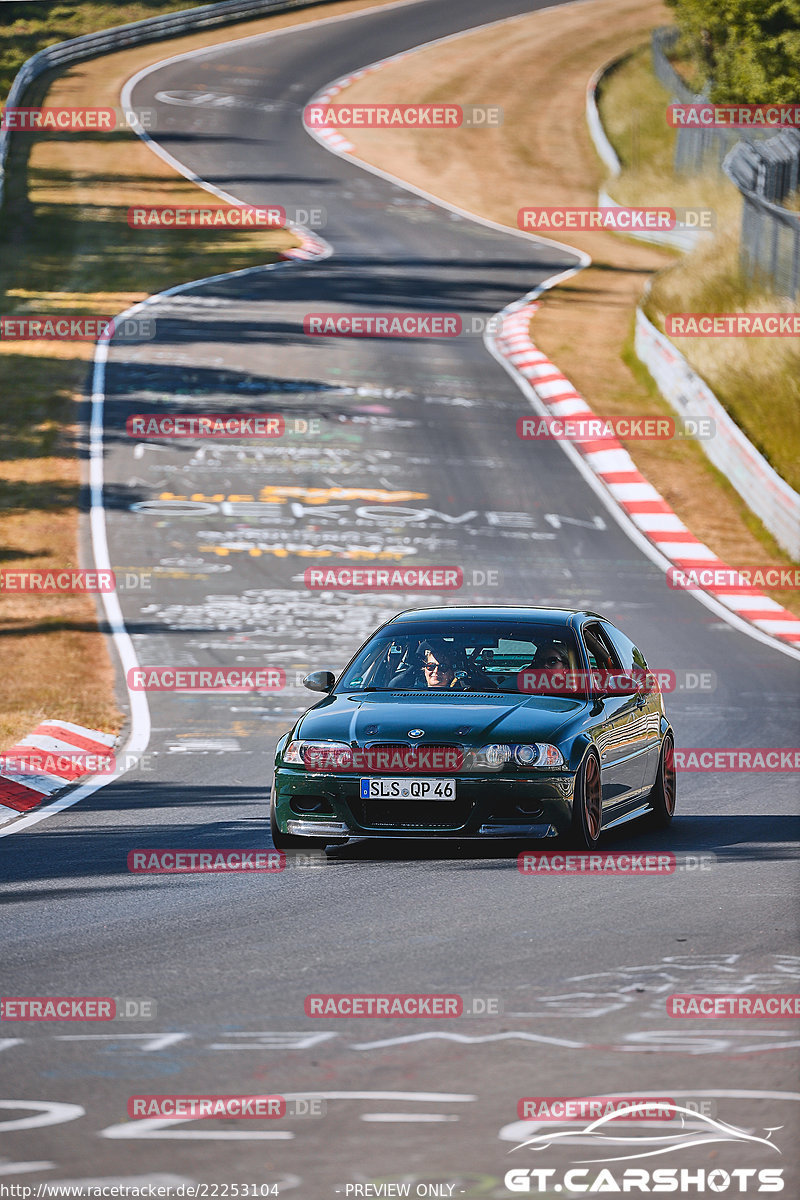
column 466, row 718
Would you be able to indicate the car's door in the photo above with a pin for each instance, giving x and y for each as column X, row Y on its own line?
column 648, row 699
column 619, row 732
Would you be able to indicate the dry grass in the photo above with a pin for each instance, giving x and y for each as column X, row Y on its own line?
column 536, row 67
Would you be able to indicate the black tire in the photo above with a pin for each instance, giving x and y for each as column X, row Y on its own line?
column 663, row 792
column 290, row 841
column 587, row 805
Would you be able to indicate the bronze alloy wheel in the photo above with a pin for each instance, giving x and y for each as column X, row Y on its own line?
column 592, row 805
column 587, row 805
column 662, row 796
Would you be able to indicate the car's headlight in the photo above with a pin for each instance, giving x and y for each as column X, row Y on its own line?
column 525, row 754
column 319, row 756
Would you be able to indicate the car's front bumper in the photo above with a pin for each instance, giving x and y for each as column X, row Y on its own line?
column 317, row 804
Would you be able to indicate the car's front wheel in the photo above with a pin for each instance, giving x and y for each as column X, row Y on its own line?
column 662, row 794
column 587, row 805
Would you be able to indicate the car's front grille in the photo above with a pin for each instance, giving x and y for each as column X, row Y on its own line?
column 411, row 814
column 411, row 758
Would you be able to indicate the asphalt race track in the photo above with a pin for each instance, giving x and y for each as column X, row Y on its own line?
column 423, row 433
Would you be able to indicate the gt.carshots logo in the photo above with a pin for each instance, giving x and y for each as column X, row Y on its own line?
column 615, row 1139
column 679, row 1180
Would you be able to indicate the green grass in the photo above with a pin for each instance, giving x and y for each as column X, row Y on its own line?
column 757, row 380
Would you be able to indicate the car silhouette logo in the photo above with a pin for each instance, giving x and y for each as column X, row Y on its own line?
column 415, row 733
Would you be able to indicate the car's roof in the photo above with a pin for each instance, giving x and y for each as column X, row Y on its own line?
column 490, row 612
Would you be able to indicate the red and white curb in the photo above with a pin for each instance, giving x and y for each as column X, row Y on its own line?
column 610, row 462
column 21, row 791
column 310, row 246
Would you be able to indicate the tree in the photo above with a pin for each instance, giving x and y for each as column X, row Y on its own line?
column 746, row 52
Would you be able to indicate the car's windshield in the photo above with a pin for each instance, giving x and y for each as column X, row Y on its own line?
column 476, row 656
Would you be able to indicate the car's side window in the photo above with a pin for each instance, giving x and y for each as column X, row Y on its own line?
column 631, row 658
column 602, row 655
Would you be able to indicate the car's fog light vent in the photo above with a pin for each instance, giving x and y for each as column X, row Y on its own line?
column 529, row 808
column 310, row 804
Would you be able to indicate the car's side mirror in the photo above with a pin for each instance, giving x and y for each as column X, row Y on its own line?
column 320, row 681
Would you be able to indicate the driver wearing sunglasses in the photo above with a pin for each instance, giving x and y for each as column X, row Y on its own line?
column 551, row 656
column 438, row 670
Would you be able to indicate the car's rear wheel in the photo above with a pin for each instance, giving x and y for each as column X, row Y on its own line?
column 587, row 805
column 290, row 841
column 663, row 792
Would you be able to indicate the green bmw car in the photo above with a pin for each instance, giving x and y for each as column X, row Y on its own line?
column 478, row 722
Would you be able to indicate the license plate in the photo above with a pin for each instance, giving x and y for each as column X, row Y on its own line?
column 389, row 788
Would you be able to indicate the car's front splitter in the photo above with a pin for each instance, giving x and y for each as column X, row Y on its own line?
column 483, row 808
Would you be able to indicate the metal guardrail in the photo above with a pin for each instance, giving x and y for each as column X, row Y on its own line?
column 663, row 40
column 764, row 166
column 760, row 486
column 136, row 33
column 765, row 173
